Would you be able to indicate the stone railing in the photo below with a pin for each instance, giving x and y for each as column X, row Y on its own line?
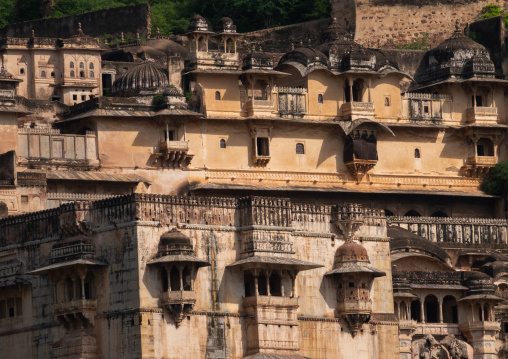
column 482, row 115
column 9, row 268
column 437, row 329
column 74, row 306
column 482, row 160
column 426, row 96
column 74, row 197
column 354, row 110
column 178, row 296
column 354, row 306
column 290, row 90
column 174, row 146
column 76, row 249
column 7, row 94
column 49, row 144
column 460, row 230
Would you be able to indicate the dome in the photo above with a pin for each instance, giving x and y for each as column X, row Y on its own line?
column 198, row 23
column 456, row 57
column 305, row 56
column 226, row 26
column 351, row 252
column 144, row 76
column 334, row 32
column 175, row 242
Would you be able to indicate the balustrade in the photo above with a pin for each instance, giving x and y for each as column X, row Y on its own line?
column 482, row 115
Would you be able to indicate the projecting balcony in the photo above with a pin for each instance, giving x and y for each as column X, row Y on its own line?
column 437, row 329
column 74, row 312
column 173, row 154
column 355, row 110
column 179, row 303
column 479, row 166
column 482, row 115
column 354, row 306
column 278, row 310
column 259, row 108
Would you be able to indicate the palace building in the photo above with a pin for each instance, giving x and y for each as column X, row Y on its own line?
column 198, row 197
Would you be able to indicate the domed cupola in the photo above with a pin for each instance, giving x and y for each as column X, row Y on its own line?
column 147, row 75
column 174, row 243
column 456, row 57
column 198, row 23
column 306, row 56
column 334, row 32
column 226, row 26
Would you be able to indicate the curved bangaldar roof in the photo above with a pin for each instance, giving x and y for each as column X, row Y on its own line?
column 458, row 57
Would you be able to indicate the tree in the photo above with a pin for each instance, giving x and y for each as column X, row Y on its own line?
column 493, row 10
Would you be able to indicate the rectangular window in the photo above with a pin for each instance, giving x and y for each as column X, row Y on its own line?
column 3, row 309
column 75, row 97
column 480, row 150
column 83, row 97
column 11, row 307
column 262, row 145
column 169, row 135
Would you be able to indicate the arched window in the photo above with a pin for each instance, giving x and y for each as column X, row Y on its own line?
column 82, row 74
column 388, row 213
column 92, row 75
column 431, row 309
column 222, row 143
column 439, row 214
column 417, row 153
column 81, row 65
column 174, row 279
column 217, row 95
column 4, row 211
column 300, row 149
column 450, row 310
column 90, row 66
column 52, row 74
column 43, row 74
column 21, row 71
column 71, row 65
column 412, row 213
column 72, row 73
column 186, row 277
column 320, row 98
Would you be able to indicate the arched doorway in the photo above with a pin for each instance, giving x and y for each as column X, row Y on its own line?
column 416, row 310
column 431, row 309
column 450, row 314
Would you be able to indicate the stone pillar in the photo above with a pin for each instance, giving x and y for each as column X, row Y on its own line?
column 440, row 310
column 422, row 311
column 268, row 283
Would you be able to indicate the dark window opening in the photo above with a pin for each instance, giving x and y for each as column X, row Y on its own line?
column 70, row 289
column 81, row 65
column 250, row 287
column 479, row 102
column 52, row 74
column 387, row 101
column 388, row 213
column 300, row 149
column 439, row 214
column 83, row 97
column 416, row 310
column 82, row 74
column 169, row 135
column 91, row 66
column 431, row 309
column 320, row 98
column 351, row 284
column 73, row 74
column 412, row 213
column 88, row 289
column 21, row 71
column 174, row 279
column 450, row 314
column 92, row 75
column 417, row 153
column 505, row 326
column 107, row 84
column 485, row 147
column 217, row 95
column 262, row 285
column 222, row 143
column 71, row 65
column 43, row 74
column 75, row 97
column 186, row 276
column 426, row 109
column 275, row 284
column 164, row 279
column 262, row 146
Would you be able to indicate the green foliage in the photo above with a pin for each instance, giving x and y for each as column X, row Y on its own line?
column 474, row 36
column 158, row 99
column 420, row 43
column 172, row 16
column 496, row 182
column 493, row 10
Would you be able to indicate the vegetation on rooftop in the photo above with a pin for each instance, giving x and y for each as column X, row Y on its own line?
column 493, row 10
column 172, row 16
column 495, row 183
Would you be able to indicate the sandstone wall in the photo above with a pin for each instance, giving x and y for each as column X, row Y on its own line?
column 400, row 22
column 128, row 19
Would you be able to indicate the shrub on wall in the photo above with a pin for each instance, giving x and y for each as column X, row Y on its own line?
column 495, row 183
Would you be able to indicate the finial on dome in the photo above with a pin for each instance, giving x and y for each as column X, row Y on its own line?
column 80, row 30
column 457, row 25
column 137, row 36
column 122, row 37
column 33, row 33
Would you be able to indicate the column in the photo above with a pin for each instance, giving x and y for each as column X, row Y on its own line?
column 368, row 89
column 281, row 284
column 256, row 286
column 168, row 272
column 268, row 283
column 422, row 311
column 293, row 285
column 350, row 81
column 440, row 310
column 180, row 269
column 82, row 277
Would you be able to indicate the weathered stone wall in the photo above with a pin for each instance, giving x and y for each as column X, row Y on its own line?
column 400, row 22
column 128, row 19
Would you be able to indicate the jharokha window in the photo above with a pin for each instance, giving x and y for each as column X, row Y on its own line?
column 10, row 308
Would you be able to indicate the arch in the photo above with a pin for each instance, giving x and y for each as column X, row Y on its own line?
column 201, row 44
column 43, row 74
column 174, row 279
column 217, row 95
column 72, row 73
column 431, row 307
column 388, row 213
column 164, row 279
column 222, row 143
column 355, row 90
column 186, row 278
column 213, row 44
column 417, row 153
column 412, row 213
column 71, row 65
column 92, row 74
column 300, row 149
column 275, row 284
column 230, row 46
column 259, row 90
column 90, row 66
column 262, row 284
column 4, row 210
column 52, row 74
column 320, row 98
column 403, row 310
column 81, row 65
column 450, row 314
column 21, row 71
column 416, row 309
column 477, row 313
column 439, row 214
column 486, row 313
column 82, row 74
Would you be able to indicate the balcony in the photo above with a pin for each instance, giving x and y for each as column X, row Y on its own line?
column 76, row 313
column 173, row 154
column 359, row 167
column 292, row 101
column 260, row 161
column 178, row 303
column 482, row 115
column 275, row 310
column 479, row 166
column 355, row 110
column 259, row 108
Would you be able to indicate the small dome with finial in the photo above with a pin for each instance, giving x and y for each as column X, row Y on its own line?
column 147, row 75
